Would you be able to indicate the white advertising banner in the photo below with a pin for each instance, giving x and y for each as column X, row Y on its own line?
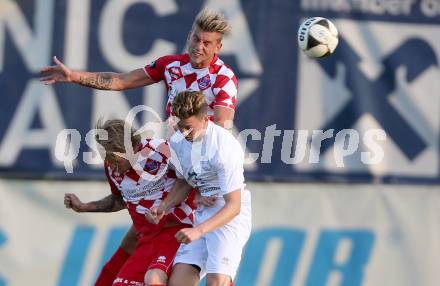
column 304, row 234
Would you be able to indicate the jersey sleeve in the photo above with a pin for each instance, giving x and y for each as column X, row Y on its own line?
column 225, row 88
column 113, row 187
column 156, row 69
column 176, row 170
column 230, row 169
column 174, row 158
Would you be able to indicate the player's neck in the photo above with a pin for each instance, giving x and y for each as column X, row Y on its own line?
column 201, row 65
column 202, row 134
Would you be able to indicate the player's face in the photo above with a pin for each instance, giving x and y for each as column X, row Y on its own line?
column 202, row 46
column 193, row 127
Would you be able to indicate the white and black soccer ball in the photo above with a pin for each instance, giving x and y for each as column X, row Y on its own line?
column 317, row 37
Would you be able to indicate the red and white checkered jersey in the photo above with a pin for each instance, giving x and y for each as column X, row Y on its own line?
column 217, row 82
column 148, row 187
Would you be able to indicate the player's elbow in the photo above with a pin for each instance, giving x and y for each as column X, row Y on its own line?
column 121, row 81
column 118, row 86
column 236, row 209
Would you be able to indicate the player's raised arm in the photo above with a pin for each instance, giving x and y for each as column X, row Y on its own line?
column 98, row 80
column 224, row 116
column 110, row 203
column 225, row 90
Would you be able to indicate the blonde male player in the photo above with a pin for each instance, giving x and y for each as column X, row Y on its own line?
column 138, row 188
column 207, row 157
column 199, row 69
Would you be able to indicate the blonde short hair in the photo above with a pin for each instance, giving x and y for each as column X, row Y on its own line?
column 189, row 103
column 115, row 139
column 211, row 21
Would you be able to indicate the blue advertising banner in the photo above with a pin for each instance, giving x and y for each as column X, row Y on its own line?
column 302, row 235
column 369, row 112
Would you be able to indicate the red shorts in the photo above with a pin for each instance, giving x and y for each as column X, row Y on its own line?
column 153, row 251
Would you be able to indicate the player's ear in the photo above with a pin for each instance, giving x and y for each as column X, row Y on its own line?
column 219, row 46
column 136, row 148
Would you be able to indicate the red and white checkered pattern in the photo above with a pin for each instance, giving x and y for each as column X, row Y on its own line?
column 143, row 192
column 217, row 82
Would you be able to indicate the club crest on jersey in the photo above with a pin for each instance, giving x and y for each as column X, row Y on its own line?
column 175, row 73
column 151, row 166
column 204, row 82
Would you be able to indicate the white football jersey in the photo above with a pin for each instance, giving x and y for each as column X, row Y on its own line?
column 213, row 165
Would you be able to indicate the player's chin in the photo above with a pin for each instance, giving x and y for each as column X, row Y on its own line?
column 196, row 58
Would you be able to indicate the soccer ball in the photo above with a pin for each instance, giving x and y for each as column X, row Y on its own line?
column 317, row 37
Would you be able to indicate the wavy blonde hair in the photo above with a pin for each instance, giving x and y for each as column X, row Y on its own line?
column 211, row 21
column 115, row 140
column 189, row 103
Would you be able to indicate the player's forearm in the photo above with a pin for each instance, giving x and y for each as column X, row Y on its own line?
column 111, row 203
column 178, row 194
column 222, row 217
column 98, row 80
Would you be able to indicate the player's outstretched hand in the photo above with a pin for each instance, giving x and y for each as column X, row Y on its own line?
column 71, row 201
column 187, row 235
column 205, row 201
column 155, row 215
column 57, row 73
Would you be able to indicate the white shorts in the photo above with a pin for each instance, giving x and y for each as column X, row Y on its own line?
column 219, row 251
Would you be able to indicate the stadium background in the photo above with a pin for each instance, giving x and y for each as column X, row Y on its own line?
column 338, row 221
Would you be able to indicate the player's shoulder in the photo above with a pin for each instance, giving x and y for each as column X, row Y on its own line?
column 154, row 142
column 224, row 137
column 106, row 165
column 158, row 145
column 177, row 140
column 228, row 148
column 167, row 59
column 219, row 67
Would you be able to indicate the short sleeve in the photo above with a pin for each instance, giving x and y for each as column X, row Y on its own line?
column 156, row 69
column 178, row 174
column 113, row 187
column 174, row 161
column 225, row 88
column 230, row 169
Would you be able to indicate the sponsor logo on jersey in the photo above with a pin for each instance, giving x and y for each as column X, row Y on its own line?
column 161, row 259
column 225, row 260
